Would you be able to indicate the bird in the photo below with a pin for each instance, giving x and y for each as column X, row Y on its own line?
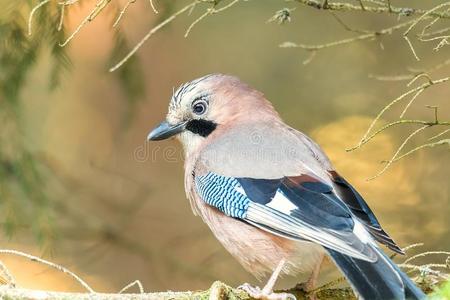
column 271, row 196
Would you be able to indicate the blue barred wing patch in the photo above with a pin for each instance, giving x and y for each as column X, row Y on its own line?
column 224, row 193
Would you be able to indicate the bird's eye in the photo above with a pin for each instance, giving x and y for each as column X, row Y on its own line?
column 199, row 107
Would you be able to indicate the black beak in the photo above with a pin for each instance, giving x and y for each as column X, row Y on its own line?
column 165, row 130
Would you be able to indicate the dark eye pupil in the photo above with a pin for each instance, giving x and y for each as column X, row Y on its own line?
column 199, row 108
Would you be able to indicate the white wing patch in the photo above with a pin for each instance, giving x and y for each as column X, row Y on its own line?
column 362, row 233
column 281, row 203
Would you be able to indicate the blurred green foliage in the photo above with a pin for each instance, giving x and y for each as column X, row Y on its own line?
column 24, row 202
column 23, row 198
column 441, row 293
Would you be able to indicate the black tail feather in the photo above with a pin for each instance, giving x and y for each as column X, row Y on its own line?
column 381, row 280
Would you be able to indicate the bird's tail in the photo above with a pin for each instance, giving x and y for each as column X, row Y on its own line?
column 380, row 280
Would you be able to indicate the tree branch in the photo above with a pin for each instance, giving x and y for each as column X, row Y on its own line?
column 218, row 290
column 342, row 6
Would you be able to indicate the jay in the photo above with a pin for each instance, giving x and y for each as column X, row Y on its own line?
column 270, row 194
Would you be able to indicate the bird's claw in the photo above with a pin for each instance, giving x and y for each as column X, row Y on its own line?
column 258, row 293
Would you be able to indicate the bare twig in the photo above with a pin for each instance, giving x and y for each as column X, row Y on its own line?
column 362, row 37
column 428, row 145
column 414, row 73
column 99, row 6
column 425, row 254
column 410, row 45
column 130, row 285
column 439, row 134
column 343, row 6
column 50, row 264
column 346, row 27
column 419, row 19
column 152, row 32
column 413, row 98
column 153, row 6
column 209, row 12
column 122, row 12
column 424, row 86
column 33, row 11
column 61, row 18
column 389, row 162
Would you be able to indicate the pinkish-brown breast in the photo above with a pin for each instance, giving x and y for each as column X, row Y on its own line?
column 258, row 251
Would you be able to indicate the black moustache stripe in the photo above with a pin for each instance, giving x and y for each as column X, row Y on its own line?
column 201, row 127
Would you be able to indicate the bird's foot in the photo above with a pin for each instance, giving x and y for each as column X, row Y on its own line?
column 307, row 289
column 265, row 294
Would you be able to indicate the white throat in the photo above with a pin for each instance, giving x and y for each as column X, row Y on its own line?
column 190, row 141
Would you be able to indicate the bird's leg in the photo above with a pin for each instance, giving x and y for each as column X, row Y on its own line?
column 311, row 284
column 267, row 292
column 268, row 288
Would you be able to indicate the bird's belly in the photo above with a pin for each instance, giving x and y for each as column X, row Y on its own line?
column 258, row 251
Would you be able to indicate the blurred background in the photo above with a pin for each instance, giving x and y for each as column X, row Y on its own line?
column 80, row 186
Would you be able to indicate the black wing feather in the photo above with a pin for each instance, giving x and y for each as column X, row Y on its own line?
column 363, row 212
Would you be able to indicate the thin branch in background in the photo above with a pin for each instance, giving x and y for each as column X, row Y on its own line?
column 419, row 19
column 33, row 11
column 394, row 124
column 425, row 254
column 122, row 12
column 424, row 15
column 99, row 6
column 346, row 7
column 428, row 277
column 411, row 47
column 442, row 43
column 362, row 37
column 389, row 162
column 428, row 145
column 209, row 12
column 362, row 5
column 438, row 31
column 346, row 27
column 439, row 134
column 130, row 285
column 61, row 18
column 429, row 25
column 50, row 264
column 152, row 32
column 424, row 86
column 415, row 92
column 153, row 6
column 420, row 76
column 388, row 2
column 413, row 73
column 413, row 98
column 311, row 56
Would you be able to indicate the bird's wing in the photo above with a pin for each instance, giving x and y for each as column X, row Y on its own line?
column 264, row 154
column 300, row 207
column 349, row 195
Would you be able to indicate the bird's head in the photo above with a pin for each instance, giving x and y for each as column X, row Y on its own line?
column 208, row 104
